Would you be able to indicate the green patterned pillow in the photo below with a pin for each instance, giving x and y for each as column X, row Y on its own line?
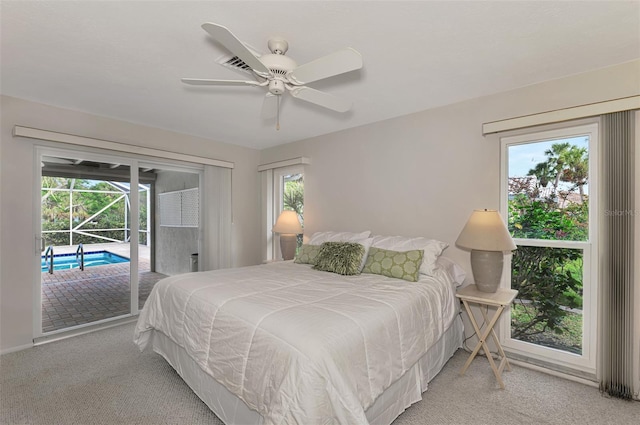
column 307, row 254
column 401, row 265
column 340, row 257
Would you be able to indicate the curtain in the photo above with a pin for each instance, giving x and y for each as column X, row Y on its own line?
column 618, row 257
column 217, row 220
column 267, row 217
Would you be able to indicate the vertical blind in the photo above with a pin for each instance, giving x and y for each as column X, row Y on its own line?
column 617, row 281
column 217, row 221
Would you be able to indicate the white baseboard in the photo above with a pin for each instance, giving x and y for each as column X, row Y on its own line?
column 14, row 349
column 554, row 373
column 63, row 333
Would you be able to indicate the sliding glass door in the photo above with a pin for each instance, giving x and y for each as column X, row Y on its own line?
column 109, row 227
column 87, row 258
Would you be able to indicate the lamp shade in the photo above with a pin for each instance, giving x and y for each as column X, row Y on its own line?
column 288, row 223
column 485, row 231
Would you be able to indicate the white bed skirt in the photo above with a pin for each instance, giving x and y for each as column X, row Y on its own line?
column 391, row 403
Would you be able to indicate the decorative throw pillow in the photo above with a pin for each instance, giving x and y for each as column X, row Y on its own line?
column 340, row 257
column 432, row 249
column 307, row 254
column 401, row 265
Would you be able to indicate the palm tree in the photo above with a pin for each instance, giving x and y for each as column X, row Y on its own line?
column 293, row 198
column 576, row 168
column 556, row 160
column 543, row 172
column 565, row 162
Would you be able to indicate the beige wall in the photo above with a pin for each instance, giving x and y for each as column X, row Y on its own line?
column 420, row 174
column 424, row 173
column 17, row 256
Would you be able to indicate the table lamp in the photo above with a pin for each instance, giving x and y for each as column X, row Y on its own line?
column 289, row 227
column 486, row 235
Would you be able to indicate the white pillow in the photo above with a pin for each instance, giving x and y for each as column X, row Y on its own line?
column 367, row 246
column 432, row 249
column 319, row 238
column 456, row 272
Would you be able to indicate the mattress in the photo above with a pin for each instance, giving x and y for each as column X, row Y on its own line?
column 297, row 345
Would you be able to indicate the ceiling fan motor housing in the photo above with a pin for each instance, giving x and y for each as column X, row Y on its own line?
column 278, row 64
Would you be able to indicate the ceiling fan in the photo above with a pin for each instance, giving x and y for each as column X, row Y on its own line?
column 279, row 73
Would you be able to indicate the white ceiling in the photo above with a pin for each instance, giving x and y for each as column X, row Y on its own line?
column 124, row 59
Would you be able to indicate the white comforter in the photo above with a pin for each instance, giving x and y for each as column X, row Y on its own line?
column 299, row 345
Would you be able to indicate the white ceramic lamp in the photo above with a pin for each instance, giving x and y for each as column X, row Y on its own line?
column 486, row 235
column 289, row 227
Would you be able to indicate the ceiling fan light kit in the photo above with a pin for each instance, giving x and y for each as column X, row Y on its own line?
column 279, row 73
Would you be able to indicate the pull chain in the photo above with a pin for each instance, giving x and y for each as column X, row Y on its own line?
column 278, row 114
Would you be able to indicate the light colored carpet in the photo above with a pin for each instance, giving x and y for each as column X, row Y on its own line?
column 102, row 378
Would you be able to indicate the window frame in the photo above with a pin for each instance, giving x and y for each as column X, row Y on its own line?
column 587, row 361
column 273, row 193
column 279, row 175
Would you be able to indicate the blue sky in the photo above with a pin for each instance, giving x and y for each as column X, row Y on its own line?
column 524, row 157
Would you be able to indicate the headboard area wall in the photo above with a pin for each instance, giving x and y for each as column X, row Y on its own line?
column 423, row 174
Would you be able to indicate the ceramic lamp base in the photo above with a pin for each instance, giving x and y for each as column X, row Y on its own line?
column 487, row 269
column 288, row 245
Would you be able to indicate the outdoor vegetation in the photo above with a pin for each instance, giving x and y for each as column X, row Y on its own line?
column 94, row 210
column 550, row 203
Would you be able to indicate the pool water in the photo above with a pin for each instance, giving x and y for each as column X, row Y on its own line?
column 91, row 259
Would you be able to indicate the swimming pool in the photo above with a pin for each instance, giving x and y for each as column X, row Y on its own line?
column 91, row 259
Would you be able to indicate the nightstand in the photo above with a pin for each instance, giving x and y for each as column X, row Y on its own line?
column 501, row 300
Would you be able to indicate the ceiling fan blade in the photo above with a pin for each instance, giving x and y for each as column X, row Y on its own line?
column 269, row 106
column 234, row 45
column 336, row 63
column 202, row 82
column 321, row 98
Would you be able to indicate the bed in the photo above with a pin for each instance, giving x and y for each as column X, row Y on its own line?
column 282, row 343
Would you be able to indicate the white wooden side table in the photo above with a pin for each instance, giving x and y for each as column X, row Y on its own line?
column 501, row 300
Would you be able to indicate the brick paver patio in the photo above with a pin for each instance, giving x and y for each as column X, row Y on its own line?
column 75, row 297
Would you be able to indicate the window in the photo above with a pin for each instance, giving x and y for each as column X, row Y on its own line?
column 289, row 193
column 283, row 189
column 549, row 198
